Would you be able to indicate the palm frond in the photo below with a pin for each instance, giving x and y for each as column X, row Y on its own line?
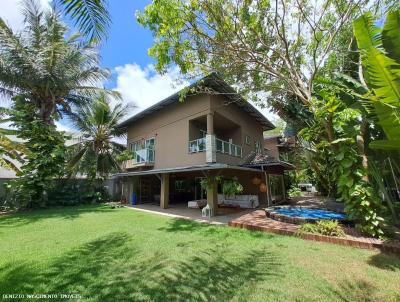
column 91, row 17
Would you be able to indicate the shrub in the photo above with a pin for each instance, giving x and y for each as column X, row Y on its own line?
column 294, row 192
column 323, row 227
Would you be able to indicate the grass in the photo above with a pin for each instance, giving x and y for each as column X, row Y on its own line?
column 106, row 254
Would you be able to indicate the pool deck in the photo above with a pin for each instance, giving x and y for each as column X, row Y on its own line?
column 258, row 221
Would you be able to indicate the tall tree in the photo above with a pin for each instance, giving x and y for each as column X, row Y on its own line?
column 278, row 47
column 96, row 154
column 48, row 74
column 52, row 72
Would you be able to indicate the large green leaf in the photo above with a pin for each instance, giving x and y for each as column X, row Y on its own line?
column 389, row 119
column 381, row 73
column 366, row 32
column 383, row 76
column 388, row 145
column 391, row 35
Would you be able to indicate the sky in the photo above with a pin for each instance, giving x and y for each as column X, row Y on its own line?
column 124, row 53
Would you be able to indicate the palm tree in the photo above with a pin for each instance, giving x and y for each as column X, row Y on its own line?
column 52, row 72
column 91, row 17
column 96, row 154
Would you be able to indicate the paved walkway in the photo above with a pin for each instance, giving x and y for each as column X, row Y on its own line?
column 257, row 220
column 224, row 215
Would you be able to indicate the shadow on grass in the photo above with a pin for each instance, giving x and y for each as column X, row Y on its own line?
column 355, row 290
column 30, row 216
column 110, row 269
column 386, row 261
column 184, row 225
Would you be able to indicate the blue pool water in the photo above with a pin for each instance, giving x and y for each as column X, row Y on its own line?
column 310, row 213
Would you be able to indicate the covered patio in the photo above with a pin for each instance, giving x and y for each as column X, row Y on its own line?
column 223, row 217
column 175, row 187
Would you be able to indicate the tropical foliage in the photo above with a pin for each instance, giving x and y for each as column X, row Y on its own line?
column 380, row 57
column 304, row 55
column 96, row 154
column 230, row 185
column 52, row 72
column 11, row 151
column 333, row 136
column 91, row 17
column 47, row 74
column 44, row 159
column 323, row 227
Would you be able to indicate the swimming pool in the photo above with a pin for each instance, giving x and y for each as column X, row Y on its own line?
column 300, row 215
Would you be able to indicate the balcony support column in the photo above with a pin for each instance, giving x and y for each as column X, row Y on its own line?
column 210, row 123
column 211, row 148
column 164, row 194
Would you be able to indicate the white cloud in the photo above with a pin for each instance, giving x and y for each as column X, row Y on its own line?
column 10, row 12
column 144, row 86
column 62, row 126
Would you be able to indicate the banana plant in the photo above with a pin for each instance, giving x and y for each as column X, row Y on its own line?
column 380, row 61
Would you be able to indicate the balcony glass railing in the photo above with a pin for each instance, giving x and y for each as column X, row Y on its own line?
column 228, row 148
column 143, row 156
column 199, row 145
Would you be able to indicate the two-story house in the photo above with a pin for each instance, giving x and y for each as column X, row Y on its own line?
column 213, row 132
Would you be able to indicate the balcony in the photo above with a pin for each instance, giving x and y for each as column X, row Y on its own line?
column 143, row 157
column 199, row 145
column 228, row 148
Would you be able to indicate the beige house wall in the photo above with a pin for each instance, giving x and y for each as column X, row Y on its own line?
column 170, row 128
column 172, row 131
column 272, row 145
column 248, row 127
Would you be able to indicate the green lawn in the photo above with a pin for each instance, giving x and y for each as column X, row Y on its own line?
column 117, row 255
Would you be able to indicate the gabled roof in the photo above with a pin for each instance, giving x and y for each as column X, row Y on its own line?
column 217, row 84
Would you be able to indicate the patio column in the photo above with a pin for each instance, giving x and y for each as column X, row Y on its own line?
column 212, row 194
column 283, row 187
column 268, row 189
column 211, row 152
column 210, row 123
column 164, row 194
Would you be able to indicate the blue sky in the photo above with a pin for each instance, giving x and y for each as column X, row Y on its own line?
column 128, row 41
column 124, row 52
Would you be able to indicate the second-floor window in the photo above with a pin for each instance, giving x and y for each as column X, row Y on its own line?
column 135, row 146
column 142, row 144
column 258, row 147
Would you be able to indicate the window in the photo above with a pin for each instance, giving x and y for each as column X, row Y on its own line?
column 258, row 147
column 247, row 140
column 140, row 145
column 180, row 185
column 135, row 146
column 149, row 143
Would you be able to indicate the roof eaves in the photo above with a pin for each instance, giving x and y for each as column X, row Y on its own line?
column 219, row 84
